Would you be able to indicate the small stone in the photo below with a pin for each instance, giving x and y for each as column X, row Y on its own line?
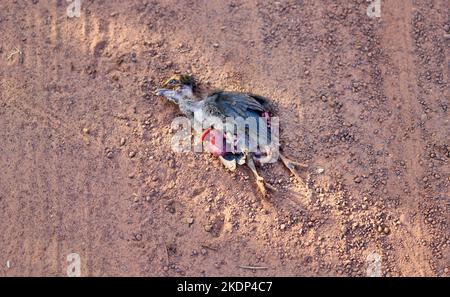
column 203, row 251
column 282, row 226
column 423, row 117
column 109, row 155
column 190, row 221
column 216, row 45
column 122, row 141
column 132, row 154
column 86, row 131
column 357, row 179
column 165, row 268
column 8, row 264
column 386, row 230
column 131, row 175
column 320, row 170
column 208, row 228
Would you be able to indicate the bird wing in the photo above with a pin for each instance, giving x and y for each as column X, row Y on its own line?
column 224, row 104
column 236, row 104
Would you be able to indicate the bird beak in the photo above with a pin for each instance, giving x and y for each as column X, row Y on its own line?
column 171, row 95
column 160, row 92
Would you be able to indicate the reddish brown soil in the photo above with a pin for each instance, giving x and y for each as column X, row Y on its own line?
column 364, row 99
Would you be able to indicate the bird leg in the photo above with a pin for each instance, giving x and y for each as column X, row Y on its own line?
column 289, row 164
column 259, row 179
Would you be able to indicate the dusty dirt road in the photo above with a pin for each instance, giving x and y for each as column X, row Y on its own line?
column 87, row 168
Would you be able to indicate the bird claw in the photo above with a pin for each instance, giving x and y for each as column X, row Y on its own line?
column 264, row 186
column 261, row 187
column 260, row 182
column 289, row 164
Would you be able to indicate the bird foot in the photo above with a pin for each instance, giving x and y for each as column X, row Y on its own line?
column 261, row 187
column 289, row 164
column 264, row 186
column 260, row 182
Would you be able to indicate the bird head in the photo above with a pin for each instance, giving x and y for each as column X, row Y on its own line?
column 178, row 81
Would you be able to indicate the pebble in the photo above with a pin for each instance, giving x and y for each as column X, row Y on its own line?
column 86, row 131
column 132, row 154
column 320, row 170
column 109, row 155
column 122, row 141
column 282, row 226
column 190, row 221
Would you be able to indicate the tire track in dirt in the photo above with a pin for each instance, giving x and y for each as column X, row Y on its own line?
column 401, row 87
column 430, row 42
column 21, row 195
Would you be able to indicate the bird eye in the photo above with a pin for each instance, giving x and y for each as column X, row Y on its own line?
column 172, row 81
